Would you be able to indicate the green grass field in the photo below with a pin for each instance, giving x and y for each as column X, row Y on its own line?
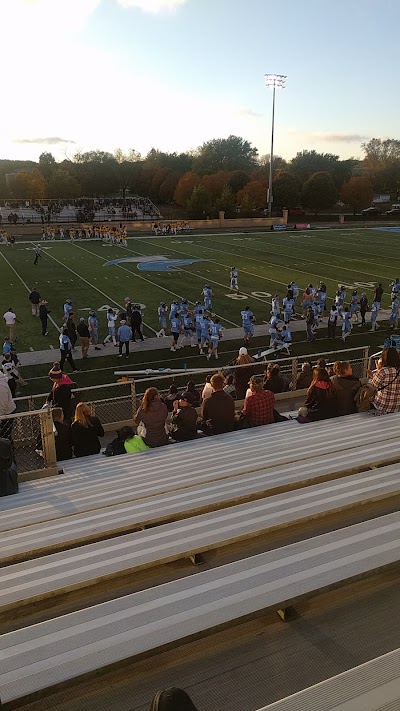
column 267, row 262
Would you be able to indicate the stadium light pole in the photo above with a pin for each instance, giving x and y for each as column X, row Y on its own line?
column 273, row 81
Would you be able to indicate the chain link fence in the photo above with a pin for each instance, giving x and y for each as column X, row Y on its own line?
column 32, row 439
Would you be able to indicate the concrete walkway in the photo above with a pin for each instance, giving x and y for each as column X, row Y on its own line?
column 157, row 344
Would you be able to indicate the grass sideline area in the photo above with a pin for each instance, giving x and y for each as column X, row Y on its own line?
column 267, row 261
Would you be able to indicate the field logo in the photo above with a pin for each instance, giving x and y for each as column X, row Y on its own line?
column 155, row 263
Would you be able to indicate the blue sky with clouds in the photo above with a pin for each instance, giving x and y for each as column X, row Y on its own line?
column 174, row 73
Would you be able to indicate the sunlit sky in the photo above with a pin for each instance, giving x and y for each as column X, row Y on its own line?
column 86, row 74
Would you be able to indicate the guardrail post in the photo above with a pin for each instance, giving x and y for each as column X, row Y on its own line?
column 133, row 398
column 365, row 361
column 48, row 439
column 295, row 364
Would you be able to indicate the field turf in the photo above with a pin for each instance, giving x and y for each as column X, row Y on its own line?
column 267, row 262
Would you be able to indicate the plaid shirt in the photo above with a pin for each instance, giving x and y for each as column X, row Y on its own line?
column 259, row 407
column 388, row 399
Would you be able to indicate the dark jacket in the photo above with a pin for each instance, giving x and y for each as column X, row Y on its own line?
column 85, row 439
column 43, row 312
column 63, row 441
column 8, row 470
column 304, row 380
column 61, row 397
column 136, row 319
column 346, row 390
column 218, row 413
column 34, row 297
column 185, row 421
column 241, row 377
column 276, row 384
column 319, row 404
column 83, row 330
column 154, row 421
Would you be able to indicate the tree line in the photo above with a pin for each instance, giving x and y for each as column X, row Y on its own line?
column 223, row 174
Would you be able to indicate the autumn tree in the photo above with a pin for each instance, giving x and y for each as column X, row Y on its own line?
column 358, row 193
column 319, row 192
column 30, row 185
column 184, row 188
column 232, row 153
column 215, row 183
column 168, row 187
column 253, row 195
column 199, row 204
column 286, row 189
column 226, row 202
column 382, row 159
column 237, row 180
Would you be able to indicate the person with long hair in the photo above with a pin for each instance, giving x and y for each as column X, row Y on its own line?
column 321, row 400
column 386, row 381
column 152, row 414
column 85, row 432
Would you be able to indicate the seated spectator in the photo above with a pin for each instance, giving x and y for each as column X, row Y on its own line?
column 184, row 419
column 229, row 386
column 196, row 397
column 85, row 432
column 241, row 376
column 152, row 414
column 274, row 381
column 7, row 407
column 172, row 699
column 258, row 407
column 63, row 436
column 171, row 397
column 8, row 469
column 321, row 401
column 305, row 378
column 61, row 392
column 386, row 381
column 207, row 390
column 346, row 386
column 218, row 411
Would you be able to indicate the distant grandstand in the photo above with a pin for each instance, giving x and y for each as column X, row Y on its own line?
column 82, row 210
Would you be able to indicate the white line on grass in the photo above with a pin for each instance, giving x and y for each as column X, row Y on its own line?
column 27, row 287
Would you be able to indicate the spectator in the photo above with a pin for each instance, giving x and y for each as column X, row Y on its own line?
column 132, row 442
column 258, row 407
column 363, row 307
column 310, row 324
column 171, row 397
column 305, row 378
column 124, row 336
column 43, row 315
column 9, row 369
column 195, row 395
column 386, row 381
column 229, row 386
column 93, row 324
column 61, row 392
column 321, row 401
column 63, row 435
column 184, row 419
column 152, row 414
column 207, row 390
column 172, row 699
column 274, row 381
column 71, row 328
column 7, row 407
column 34, row 298
column 136, row 322
column 84, row 334
column 85, row 432
column 8, row 469
column 66, row 351
column 11, row 319
column 242, row 375
column 218, row 411
column 346, row 386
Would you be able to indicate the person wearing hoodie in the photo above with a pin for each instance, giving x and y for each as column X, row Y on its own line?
column 321, row 400
column 346, row 386
column 61, row 392
column 153, row 414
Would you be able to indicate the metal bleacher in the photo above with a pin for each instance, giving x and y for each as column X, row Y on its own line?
column 105, row 519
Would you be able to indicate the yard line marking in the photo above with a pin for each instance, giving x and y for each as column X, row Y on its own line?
column 26, row 286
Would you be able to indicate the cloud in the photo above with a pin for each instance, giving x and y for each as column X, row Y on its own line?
column 153, row 6
column 47, row 141
column 248, row 113
column 327, row 137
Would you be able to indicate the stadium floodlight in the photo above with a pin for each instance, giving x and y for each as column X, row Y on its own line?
column 273, row 81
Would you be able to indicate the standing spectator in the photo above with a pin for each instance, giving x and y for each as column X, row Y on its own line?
column 305, row 378
column 111, row 319
column 242, row 375
column 11, row 319
column 363, row 308
column 332, row 321
column 136, row 322
column 9, row 369
column 184, row 419
column 7, row 407
column 153, row 414
column 346, row 386
column 61, row 391
column 63, row 436
column 321, row 400
column 386, row 381
column 127, row 314
column 274, row 380
column 66, row 351
column 124, row 336
column 218, row 411
column 34, row 298
column 84, row 334
column 378, row 294
column 43, row 315
column 71, row 328
column 258, row 407
column 93, row 324
column 310, row 324
column 85, row 432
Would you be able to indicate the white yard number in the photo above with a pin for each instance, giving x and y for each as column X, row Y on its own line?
column 237, row 297
column 361, row 284
column 261, row 294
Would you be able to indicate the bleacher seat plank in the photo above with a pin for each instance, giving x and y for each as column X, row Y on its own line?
column 60, row 534
column 60, row 650
column 372, row 686
column 62, row 496
column 23, row 583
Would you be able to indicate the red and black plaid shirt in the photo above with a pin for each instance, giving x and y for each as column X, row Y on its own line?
column 259, row 407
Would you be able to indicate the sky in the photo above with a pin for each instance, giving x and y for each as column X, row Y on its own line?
column 81, row 75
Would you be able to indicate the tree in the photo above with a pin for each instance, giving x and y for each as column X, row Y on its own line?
column 232, row 153
column 180, row 162
column 168, row 187
column 226, row 203
column 319, row 192
column 47, row 164
column 97, row 172
column 199, row 204
column 184, row 189
column 215, row 183
column 382, row 159
column 279, row 164
column 62, row 184
column 237, row 180
column 160, row 174
column 286, row 189
column 253, row 196
column 358, row 193
column 30, row 185
column 306, row 163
